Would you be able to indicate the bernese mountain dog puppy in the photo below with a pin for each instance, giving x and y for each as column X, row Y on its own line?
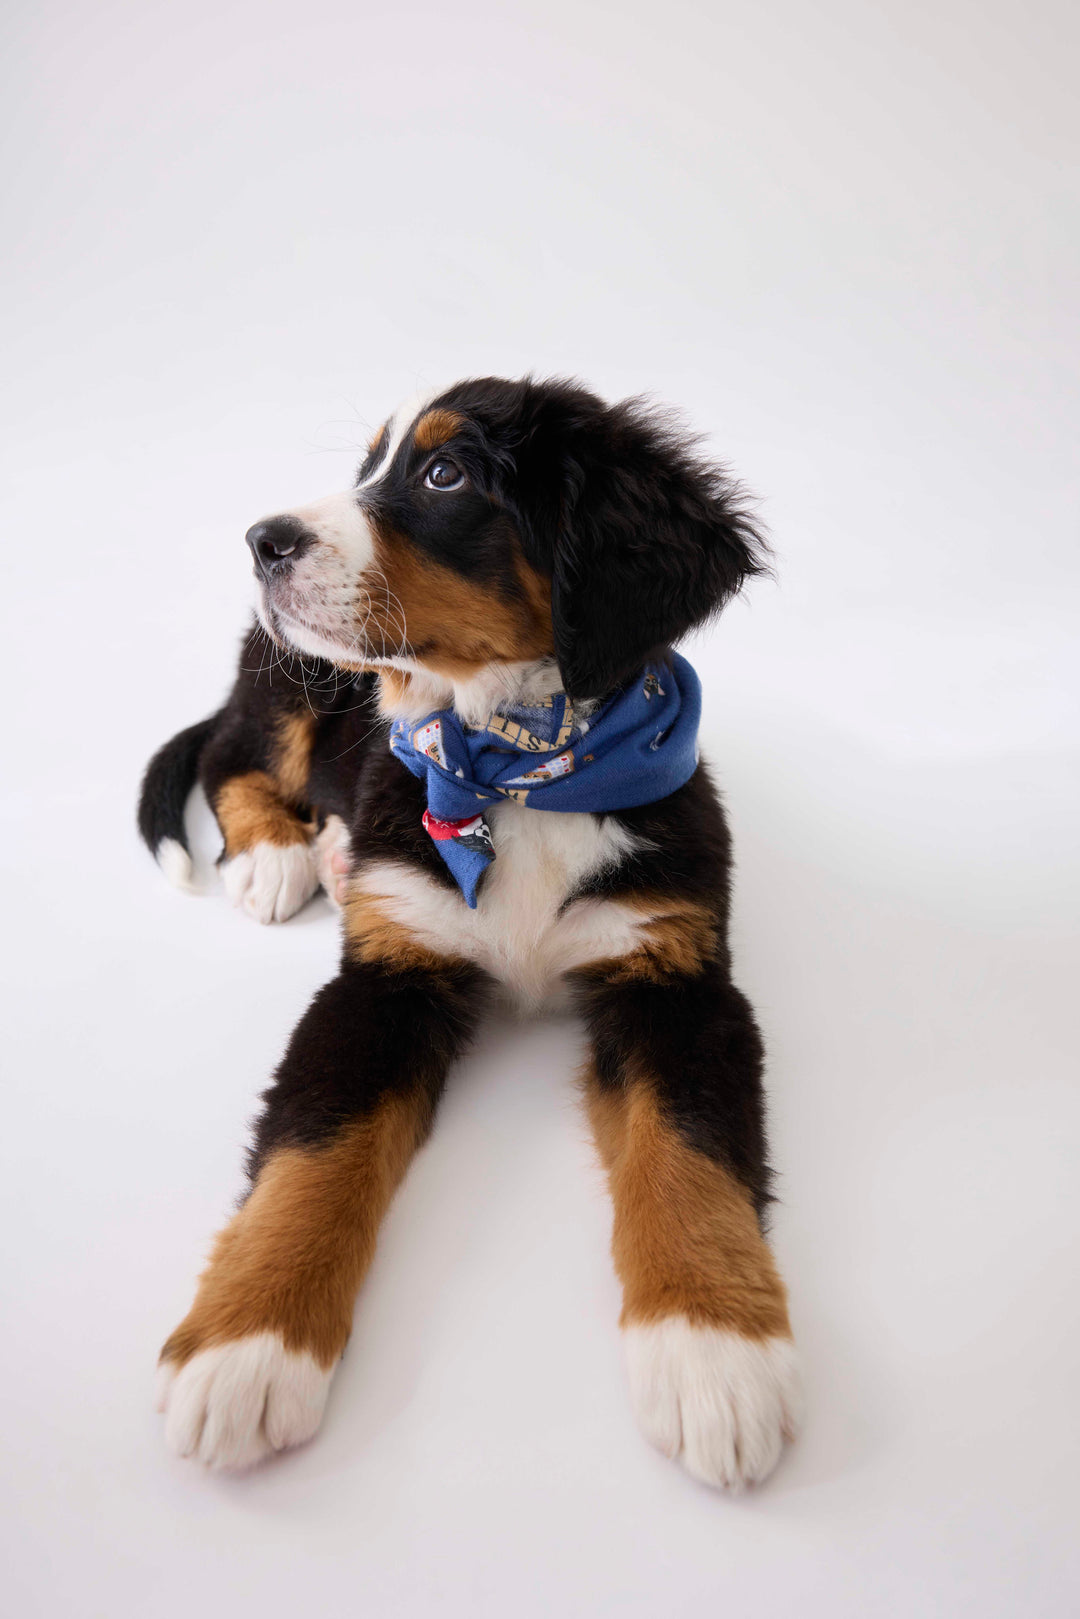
column 484, row 623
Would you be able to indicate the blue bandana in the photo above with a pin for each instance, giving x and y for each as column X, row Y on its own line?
column 637, row 747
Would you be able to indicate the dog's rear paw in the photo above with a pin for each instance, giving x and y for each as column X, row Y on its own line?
column 722, row 1403
column 271, row 882
column 234, row 1404
column 332, row 858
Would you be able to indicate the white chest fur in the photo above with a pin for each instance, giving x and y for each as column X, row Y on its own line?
column 518, row 931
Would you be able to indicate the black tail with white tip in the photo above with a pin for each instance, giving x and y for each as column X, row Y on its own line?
column 166, row 786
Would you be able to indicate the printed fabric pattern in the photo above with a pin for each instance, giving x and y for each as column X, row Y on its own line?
column 637, row 747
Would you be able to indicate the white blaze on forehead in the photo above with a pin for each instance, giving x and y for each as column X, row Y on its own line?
column 339, row 519
column 399, row 425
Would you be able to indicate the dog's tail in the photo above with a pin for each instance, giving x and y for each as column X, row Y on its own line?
column 168, row 781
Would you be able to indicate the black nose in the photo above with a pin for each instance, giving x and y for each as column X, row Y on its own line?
column 276, row 542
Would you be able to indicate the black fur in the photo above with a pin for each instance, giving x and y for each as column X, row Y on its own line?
column 366, row 1035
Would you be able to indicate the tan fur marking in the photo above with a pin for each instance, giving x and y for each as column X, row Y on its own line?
column 677, row 941
column 372, row 934
column 291, row 1260
column 453, row 624
column 435, row 427
column 537, row 590
column 249, row 810
column 685, row 1240
column 378, row 441
column 292, row 760
column 394, row 685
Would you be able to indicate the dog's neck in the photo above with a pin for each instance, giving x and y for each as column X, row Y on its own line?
column 410, row 691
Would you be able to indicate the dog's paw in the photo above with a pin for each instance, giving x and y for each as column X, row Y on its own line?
column 722, row 1403
column 332, row 858
column 271, row 881
column 236, row 1403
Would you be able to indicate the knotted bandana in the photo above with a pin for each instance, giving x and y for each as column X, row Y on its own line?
column 638, row 746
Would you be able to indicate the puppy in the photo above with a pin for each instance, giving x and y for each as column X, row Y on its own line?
column 484, row 623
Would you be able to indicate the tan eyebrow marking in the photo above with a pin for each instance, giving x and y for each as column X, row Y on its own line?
column 435, row 427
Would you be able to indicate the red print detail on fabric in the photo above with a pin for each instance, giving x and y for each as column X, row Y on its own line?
column 442, row 830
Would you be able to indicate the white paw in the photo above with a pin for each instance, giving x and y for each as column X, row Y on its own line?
column 723, row 1404
column 271, row 882
column 235, row 1403
column 332, row 840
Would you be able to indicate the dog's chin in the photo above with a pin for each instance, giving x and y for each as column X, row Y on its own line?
column 306, row 640
column 268, row 619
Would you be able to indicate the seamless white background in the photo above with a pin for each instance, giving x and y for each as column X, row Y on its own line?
column 842, row 237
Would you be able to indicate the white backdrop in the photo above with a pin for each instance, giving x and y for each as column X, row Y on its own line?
column 842, row 237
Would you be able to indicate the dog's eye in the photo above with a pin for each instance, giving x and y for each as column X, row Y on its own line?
column 444, row 475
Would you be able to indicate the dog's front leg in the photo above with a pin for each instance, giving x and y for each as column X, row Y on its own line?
column 674, row 1096
column 255, row 774
column 248, row 1370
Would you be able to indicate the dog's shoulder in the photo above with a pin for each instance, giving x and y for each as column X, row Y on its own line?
column 678, row 847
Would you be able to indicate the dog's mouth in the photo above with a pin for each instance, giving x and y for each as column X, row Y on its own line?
column 271, row 621
column 312, row 636
column 285, row 626
column 323, row 609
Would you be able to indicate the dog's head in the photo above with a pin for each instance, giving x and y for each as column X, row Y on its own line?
column 505, row 523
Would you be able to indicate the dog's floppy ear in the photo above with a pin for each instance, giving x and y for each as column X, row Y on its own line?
column 647, row 542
